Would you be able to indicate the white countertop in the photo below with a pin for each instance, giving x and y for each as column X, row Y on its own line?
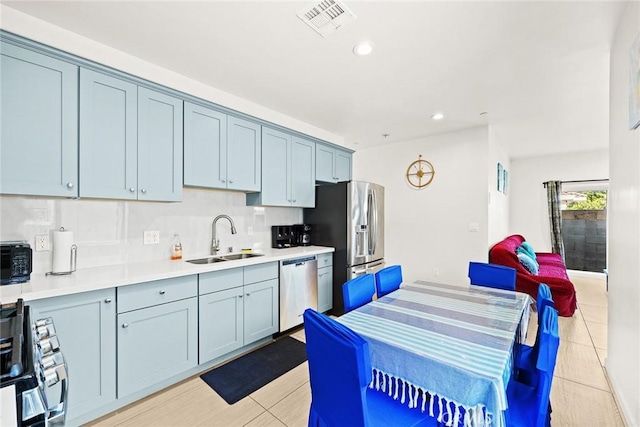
column 91, row 279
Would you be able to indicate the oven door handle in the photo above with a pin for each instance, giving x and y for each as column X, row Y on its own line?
column 58, row 414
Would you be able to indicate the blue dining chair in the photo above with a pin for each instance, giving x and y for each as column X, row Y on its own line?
column 530, row 406
column 492, row 275
column 358, row 291
column 340, row 374
column 388, row 280
column 527, row 356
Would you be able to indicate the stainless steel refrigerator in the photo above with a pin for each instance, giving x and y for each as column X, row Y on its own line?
column 350, row 217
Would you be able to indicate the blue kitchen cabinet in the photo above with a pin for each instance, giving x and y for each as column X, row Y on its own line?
column 205, row 147
column 288, row 171
column 260, row 310
column 108, row 137
column 157, row 331
column 220, row 151
column 325, row 282
column 159, row 146
column 85, row 326
column 221, row 323
column 237, row 307
column 332, row 164
column 244, row 155
column 130, row 140
column 39, row 115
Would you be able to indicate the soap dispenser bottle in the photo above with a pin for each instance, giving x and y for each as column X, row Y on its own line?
column 176, row 248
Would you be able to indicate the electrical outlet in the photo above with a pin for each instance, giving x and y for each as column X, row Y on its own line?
column 151, row 237
column 250, row 231
column 436, row 272
column 42, row 243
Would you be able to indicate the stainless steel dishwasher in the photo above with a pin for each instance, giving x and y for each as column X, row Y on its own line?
column 298, row 290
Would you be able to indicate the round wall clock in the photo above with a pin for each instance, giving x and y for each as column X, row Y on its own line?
column 420, row 173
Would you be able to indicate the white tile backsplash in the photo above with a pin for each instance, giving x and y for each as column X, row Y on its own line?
column 110, row 232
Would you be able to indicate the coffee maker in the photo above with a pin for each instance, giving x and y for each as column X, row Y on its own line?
column 302, row 233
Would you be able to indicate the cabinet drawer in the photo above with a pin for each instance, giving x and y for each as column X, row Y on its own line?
column 260, row 272
column 157, row 292
column 220, row 280
column 325, row 260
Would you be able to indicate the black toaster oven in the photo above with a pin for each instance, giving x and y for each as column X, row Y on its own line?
column 16, row 258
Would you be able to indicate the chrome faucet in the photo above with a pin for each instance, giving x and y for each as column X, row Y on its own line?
column 215, row 243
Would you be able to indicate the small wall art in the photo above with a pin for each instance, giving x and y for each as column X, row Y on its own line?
column 500, row 177
column 505, row 181
column 634, row 84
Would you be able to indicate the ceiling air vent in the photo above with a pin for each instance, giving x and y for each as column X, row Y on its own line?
column 326, row 16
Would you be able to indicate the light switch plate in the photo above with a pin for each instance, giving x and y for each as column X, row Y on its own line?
column 151, row 237
column 474, row 227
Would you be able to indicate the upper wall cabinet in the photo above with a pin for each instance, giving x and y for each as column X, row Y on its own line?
column 39, row 117
column 288, row 171
column 220, row 151
column 130, row 140
column 332, row 164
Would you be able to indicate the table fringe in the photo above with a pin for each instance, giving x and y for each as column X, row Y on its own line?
column 399, row 388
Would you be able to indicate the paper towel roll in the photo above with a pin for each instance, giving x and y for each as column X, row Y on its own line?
column 63, row 248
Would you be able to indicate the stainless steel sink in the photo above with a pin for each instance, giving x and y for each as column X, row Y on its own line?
column 208, row 260
column 240, row 256
column 221, row 258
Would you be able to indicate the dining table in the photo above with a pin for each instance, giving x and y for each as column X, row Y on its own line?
column 443, row 348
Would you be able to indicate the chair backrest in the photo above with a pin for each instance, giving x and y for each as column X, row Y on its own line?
column 339, row 371
column 492, row 275
column 546, row 363
column 388, row 280
column 358, row 291
column 543, row 299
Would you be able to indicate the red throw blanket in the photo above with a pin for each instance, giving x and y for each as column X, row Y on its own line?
column 552, row 272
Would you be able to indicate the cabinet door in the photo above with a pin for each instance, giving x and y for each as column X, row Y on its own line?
column 156, row 343
column 276, row 171
column 108, row 137
column 325, row 289
column 325, row 163
column 244, row 155
column 221, row 323
column 85, row 326
column 159, row 146
column 39, row 116
column 303, row 173
column 260, row 310
column 205, row 147
column 343, row 166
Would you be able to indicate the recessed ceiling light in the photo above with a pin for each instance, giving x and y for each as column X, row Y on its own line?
column 438, row 116
column 363, row 49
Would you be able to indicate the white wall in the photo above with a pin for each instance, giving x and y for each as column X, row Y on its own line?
column 427, row 230
column 528, row 210
column 110, row 232
column 623, row 360
column 35, row 29
column 498, row 225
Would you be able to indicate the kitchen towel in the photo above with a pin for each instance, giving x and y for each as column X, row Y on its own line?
column 61, row 258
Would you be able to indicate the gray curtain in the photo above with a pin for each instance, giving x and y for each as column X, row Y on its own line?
column 554, row 188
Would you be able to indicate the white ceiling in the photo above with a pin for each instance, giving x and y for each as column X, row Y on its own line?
column 539, row 69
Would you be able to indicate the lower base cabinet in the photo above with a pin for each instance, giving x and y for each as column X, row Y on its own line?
column 85, row 328
column 237, row 307
column 325, row 282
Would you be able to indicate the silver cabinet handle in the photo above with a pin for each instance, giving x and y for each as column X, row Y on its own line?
column 239, row 296
column 144, row 190
column 248, row 294
column 125, row 325
column 162, row 292
column 108, row 301
column 133, row 190
column 230, row 182
column 223, row 180
column 294, row 200
column 69, row 185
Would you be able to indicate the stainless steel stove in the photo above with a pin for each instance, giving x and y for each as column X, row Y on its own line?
column 33, row 372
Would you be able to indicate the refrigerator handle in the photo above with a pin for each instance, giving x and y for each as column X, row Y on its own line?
column 373, row 223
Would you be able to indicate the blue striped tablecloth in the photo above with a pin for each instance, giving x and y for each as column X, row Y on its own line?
column 452, row 343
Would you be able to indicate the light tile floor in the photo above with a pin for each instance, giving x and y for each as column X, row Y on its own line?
column 580, row 396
